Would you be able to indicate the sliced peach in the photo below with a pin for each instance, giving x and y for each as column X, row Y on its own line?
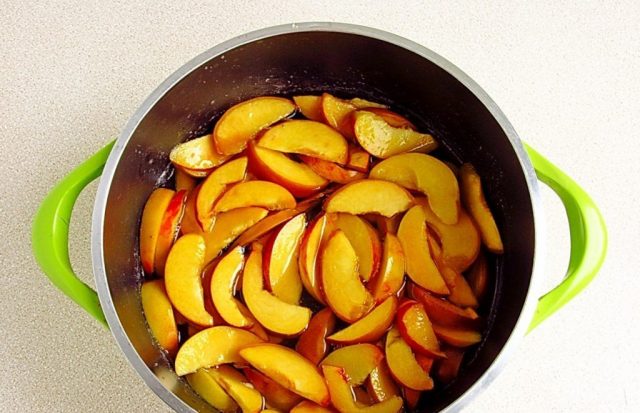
column 403, row 365
column 203, row 383
column 359, row 159
column 281, row 261
column 184, row 181
column 371, row 327
column 337, row 114
column 223, row 286
column 364, row 240
column 159, row 314
column 228, row 226
column 427, row 174
column 342, row 396
column 391, row 276
column 169, row 230
column 425, row 362
column 306, row 406
column 331, row 171
column 421, row 268
column 273, row 313
column 457, row 337
column 277, row 396
column 448, row 368
column 478, row 276
column 381, row 384
column 411, row 397
column 242, row 122
column 357, row 361
column 415, row 327
column 306, row 137
column 394, row 119
column 182, row 279
column 316, row 234
column 189, row 223
column 197, row 155
column 300, row 179
column 370, row 195
column 312, row 344
column 310, row 106
column 152, row 217
column 196, row 173
column 443, row 312
column 382, row 140
column 474, row 200
column 262, row 194
column 238, row 387
column 289, row 369
column 211, row 347
column 461, row 293
column 364, row 103
column 341, row 284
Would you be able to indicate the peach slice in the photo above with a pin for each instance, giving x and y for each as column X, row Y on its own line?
column 403, row 365
column 306, row 406
column 443, row 312
column 184, row 181
column 370, row 195
column 411, row 397
column 342, row 396
column 215, row 184
column 316, row 234
column 242, row 122
column 382, row 140
column 478, row 276
column 152, row 217
column 306, row 137
column 312, row 344
column 281, row 261
column 189, row 223
column 448, row 368
column 238, row 387
column 273, row 313
column 461, row 293
column 223, row 286
column 228, row 226
column 182, row 279
column 427, row 174
column 474, row 200
column 394, row 119
column 289, row 369
column 203, row 383
column 359, row 159
column 263, row 194
column 415, row 327
column 357, row 360
column 457, row 337
column 364, row 240
column 277, row 396
column 169, row 230
column 364, row 103
column 197, row 155
column 159, row 314
column 337, row 114
column 300, row 179
column 331, row 171
column 421, row 268
column 380, row 383
column 196, row 173
column 310, row 106
column 341, row 284
column 391, row 276
column 211, row 347
column 371, row 327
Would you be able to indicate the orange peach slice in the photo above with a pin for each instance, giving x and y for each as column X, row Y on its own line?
column 370, row 196
column 197, row 156
column 415, row 327
column 223, row 286
column 359, row 159
column 262, row 194
column 427, row 174
column 300, row 179
column 448, row 368
column 337, row 113
column 316, row 234
column 341, row 283
column 306, row 406
column 420, row 267
column 273, row 313
column 342, row 396
column 306, row 137
column 152, row 217
column 474, row 200
column 394, row 119
column 443, row 312
column 159, row 314
column 228, row 226
column 182, row 279
column 457, row 337
column 203, row 383
column 380, row 383
column 212, row 347
column 281, row 261
column 238, row 387
column 189, row 223
column 364, row 240
column 391, row 276
column 357, row 361
column 184, row 181
column 382, row 140
column 364, row 103
column 310, row 106
column 461, row 293
column 276, row 395
column 289, row 369
column 403, row 365
column 312, row 344
column 371, row 327
column 331, row 171
column 169, row 230
column 242, row 122
column 478, row 276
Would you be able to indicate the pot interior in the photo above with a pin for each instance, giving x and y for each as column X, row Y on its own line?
column 347, row 65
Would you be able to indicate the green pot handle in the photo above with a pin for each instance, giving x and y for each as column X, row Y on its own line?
column 588, row 237
column 50, row 233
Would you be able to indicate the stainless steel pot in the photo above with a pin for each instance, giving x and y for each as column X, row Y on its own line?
column 306, row 58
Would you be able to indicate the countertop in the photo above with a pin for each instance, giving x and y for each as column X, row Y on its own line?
column 567, row 75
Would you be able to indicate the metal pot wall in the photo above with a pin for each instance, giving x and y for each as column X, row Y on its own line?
column 311, row 58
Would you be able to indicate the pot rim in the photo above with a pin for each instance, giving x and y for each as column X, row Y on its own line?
column 106, row 301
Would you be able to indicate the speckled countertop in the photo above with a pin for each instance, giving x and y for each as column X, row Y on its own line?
column 567, row 76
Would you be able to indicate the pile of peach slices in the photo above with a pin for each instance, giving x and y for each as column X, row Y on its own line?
column 313, row 258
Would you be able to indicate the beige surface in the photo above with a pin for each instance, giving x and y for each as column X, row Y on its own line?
column 567, row 77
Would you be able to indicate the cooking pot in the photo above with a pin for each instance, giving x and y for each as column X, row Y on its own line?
column 310, row 58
